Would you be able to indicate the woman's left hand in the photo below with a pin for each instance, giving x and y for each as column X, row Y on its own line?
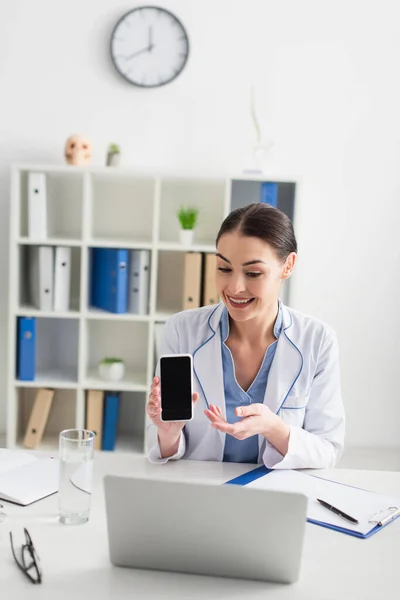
column 256, row 419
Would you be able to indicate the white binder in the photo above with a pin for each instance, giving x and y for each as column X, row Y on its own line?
column 41, row 276
column 37, row 206
column 139, row 282
column 62, row 278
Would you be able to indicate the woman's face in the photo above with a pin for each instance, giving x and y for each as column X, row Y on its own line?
column 249, row 275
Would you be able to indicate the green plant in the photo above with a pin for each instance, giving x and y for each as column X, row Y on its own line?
column 188, row 217
column 113, row 149
column 109, row 360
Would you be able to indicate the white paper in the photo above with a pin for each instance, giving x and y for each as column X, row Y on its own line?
column 30, row 482
column 358, row 503
column 11, row 459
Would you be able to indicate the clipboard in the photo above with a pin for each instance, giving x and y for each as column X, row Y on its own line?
column 375, row 511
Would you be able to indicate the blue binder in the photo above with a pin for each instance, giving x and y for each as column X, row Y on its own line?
column 26, row 348
column 110, row 279
column 258, row 472
column 110, row 420
column 269, row 193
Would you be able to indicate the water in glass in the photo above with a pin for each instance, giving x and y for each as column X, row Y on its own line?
column 76, row 475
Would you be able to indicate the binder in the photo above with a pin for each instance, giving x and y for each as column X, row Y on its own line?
column 41, row 276
column 110, row 423
column 110, row 279
column 191, row 280
column 26, row 348
column 62, row 278
column 38, row 418
column 139, row 281
column 269, row 193
column 210, row 291
column 373, row 511
column 94, row 415
column 37, row 206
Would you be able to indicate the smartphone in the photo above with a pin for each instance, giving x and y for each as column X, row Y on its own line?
column 176, row 385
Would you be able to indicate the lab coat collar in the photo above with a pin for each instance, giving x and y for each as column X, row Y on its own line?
column 215, row 317
column 207, row 362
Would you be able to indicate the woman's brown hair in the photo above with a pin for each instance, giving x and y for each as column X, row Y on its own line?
column 265, row 222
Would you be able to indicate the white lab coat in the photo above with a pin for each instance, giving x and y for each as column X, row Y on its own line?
column 303, row 389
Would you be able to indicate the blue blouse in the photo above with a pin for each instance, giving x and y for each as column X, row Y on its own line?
column 243, row 450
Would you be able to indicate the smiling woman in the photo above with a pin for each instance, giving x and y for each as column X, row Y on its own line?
column 266, row 376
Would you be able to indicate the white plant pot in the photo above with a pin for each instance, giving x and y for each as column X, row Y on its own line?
column 112, row 371
column 113, row 159
column 186, row 237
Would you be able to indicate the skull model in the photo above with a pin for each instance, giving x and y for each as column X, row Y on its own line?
column 78, row 150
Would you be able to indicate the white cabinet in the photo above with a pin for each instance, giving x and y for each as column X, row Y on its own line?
column 102, row 207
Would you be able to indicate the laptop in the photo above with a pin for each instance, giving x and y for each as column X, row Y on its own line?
column 207, row 529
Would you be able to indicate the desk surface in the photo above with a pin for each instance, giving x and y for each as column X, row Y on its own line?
column 75, row 558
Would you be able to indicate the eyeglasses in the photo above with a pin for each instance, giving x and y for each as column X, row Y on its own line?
column 30, row 564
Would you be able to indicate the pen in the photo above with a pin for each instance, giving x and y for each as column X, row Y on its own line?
column 338, row 512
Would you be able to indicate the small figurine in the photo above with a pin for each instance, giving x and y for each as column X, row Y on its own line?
column 78, row 150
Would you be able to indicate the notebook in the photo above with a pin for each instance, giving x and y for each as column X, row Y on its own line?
column 373, row 511
column 24, row 478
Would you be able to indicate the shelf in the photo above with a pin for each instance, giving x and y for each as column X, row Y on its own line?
column 53, row 241
column 103, row 171
column 131, row 422
column 132, row 382
column 126, row 339
column 171, row 267
column 122, row 208
column 51, row 379
column 177, row 247
column 29, row 311
column 122, row 242
column 64, row 203
column 97, row 313
column 49, row 443
column 28, row 283
column 161, row 316
column 207, row 195
column 62, row 415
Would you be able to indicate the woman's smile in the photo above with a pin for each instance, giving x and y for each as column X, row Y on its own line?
column 239, row 303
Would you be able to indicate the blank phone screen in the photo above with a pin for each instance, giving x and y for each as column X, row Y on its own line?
column 176, row 388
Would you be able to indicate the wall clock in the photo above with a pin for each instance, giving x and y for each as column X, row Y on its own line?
column 149, row 46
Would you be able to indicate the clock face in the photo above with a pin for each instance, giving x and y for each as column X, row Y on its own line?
column 149, row 46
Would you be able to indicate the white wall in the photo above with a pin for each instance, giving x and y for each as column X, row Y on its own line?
column 328, row 92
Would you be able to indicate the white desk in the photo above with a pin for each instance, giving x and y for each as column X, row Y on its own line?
column 76, row 565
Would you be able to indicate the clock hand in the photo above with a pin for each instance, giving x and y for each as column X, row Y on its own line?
column 137, row 53
column 151, row 45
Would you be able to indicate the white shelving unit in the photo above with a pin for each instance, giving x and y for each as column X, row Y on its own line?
column 102, row 207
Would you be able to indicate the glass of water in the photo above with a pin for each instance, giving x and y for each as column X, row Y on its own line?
column 76, row 475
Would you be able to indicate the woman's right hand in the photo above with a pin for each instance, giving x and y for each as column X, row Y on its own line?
column 170, row 429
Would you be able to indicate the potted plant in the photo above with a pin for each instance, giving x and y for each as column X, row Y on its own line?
column 188, row 219
column 113, row 155
column 111, row 368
